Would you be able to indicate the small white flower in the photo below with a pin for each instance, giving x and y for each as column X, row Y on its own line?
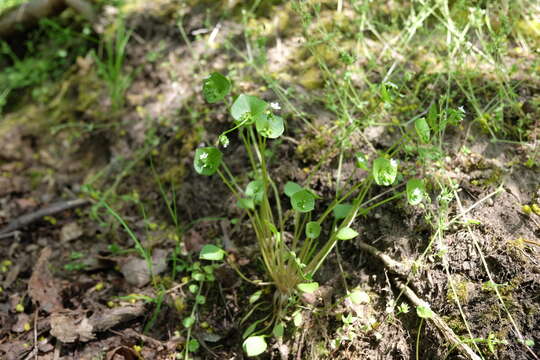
column 393, row 162
column 417, row 193
column 461, row 109
column 275, row 106
column 224, row 140
column 203, row 156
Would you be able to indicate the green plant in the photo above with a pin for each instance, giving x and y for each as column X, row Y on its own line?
column 111, row 64
column 290, row 263
column 200, row 274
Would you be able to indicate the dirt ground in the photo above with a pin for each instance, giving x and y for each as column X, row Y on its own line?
column 73, row 287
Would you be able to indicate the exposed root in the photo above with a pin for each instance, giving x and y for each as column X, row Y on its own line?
column 398, row 268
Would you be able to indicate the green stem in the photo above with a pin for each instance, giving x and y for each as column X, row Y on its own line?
column 418, row 339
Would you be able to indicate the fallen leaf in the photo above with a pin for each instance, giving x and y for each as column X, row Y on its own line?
column 136, row 270
column 193, row 241
column 70, row 232
column 69, row 328
column 42, row 288
column 108, row 318
column 72, row 327
column 15, row 349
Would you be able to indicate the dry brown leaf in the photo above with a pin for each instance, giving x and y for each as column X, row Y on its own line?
column 69, row 328
column 70, row 231
column 72, row 327
column 42, row 287
column 136, row 271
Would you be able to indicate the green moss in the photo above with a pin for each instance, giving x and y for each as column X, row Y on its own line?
column 311, row 79
column 456, row 324
column 463, row 289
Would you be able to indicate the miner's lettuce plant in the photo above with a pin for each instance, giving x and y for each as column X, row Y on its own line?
column 291, row 258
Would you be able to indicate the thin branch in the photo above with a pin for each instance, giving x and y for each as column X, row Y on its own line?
column 50, row 210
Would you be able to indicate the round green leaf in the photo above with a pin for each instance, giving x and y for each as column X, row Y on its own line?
column 207, row 160
column 254, row 345
column 291, row 188
column 216, row 87
column 361, row 161
column 247, row 105
column 308, row 287
column 415, row 191
column 422, row 129
column 341, row 211
column 424, row 312
column 278, row 330
column 246, row 204
column 269, row 125
column 188, row 322
column 197, row 276
column 346, row 233
column 303, row 201
column 211, row 252
column 255, row 190
column 385, row 171
column 193, row 345
column 313, row 229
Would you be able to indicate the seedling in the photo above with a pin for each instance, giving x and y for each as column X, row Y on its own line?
column 290, row 263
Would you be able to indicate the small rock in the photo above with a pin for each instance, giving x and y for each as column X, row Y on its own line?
column 70, row 232
column 136, row 271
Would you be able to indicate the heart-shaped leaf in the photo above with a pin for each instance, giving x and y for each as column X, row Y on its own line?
column 341, row 211
column 415, row 191
column 255, row 190
column 278, row 330
column 254, row 345
column 313, row 229
column 308, row 287
column 424, row 312
column 346, row 233
column 269, row 125
column 422, row 129
column 385, row 171
column 303, row 201
column 247, row 108
column 246, row 203
column 211, row 252
column 291, row 188
column 216, row 87
column 207, row 160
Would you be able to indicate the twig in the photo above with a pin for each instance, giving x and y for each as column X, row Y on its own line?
column 392, row 265
column 38, row 215
column 402, row 270
column 35, row 333
column 16, row 234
